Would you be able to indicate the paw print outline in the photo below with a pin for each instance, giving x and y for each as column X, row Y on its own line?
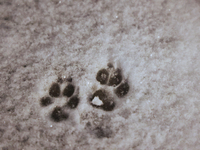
column 109, row 77
column 60, row 113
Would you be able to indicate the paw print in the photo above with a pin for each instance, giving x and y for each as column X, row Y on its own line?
column 109, row 77
column 60, row 113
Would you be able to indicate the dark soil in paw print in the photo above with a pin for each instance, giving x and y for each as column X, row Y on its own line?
column 110, row 77
column 69, row 79
column 110, row 65
column 59, row 113
column 73, row 102
column 69, row 90
column 45, row 101
column 115, row 78
column 101, row 94
column 102, row 76
column 122, row 89
column 108, row 105
column 54, row 90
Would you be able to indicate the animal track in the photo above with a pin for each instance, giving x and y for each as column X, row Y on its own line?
column 54, row 90
column 99, row 99
column 45, row 101
column 110, row 77
column 103, row 101
column 60, row 113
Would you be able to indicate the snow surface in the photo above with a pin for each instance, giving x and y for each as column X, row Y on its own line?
column 154, row 42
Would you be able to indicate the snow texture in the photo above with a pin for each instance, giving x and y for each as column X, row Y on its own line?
column 155, row 44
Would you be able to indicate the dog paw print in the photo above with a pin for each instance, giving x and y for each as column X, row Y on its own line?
column 55, row 92
column 110, row 77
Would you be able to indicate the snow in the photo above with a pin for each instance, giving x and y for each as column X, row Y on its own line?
column 155, row 44
column 96, row 101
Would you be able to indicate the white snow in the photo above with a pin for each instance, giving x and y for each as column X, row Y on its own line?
column 96, row 101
